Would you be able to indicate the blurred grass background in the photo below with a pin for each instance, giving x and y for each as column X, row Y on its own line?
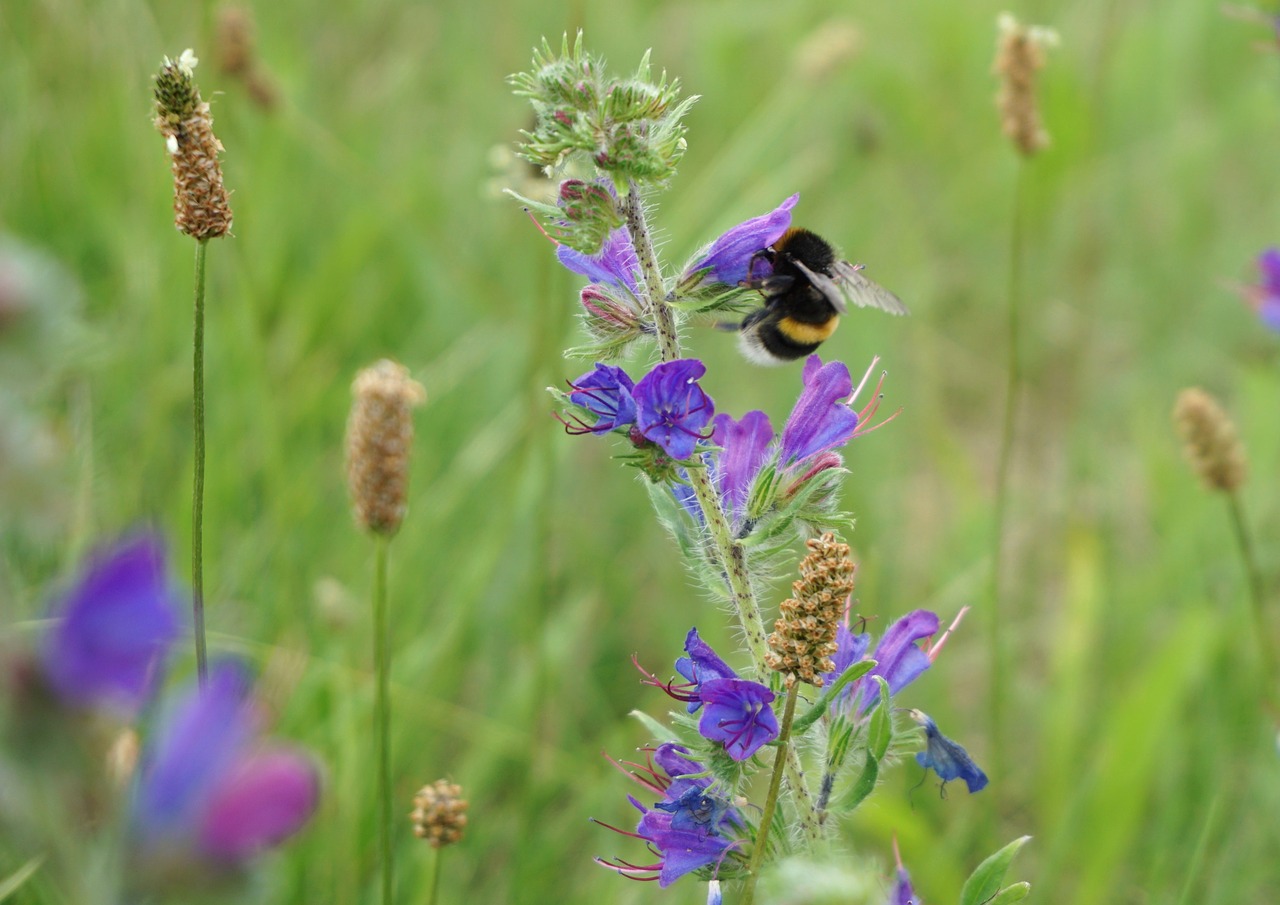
column 530, row 569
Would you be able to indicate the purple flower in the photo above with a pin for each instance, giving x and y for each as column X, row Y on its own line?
column 947, row 758
column 207, row 793
column 729, row 259
column 690, row 828
column 902, row 893
column 606, row 393
column 1266, row 296
column 744, row 448
column 701, row 665
column 671, row 409
column 113, row 628
column 738, row 714
column 899, row 659
column 822, row 419
column 616, row 265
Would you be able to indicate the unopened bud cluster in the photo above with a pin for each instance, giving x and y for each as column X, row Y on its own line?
column 1020, row 55
column 630, row 128
column 805, row 634
column 1212, row 446
column 202, row 208
column 439, row 813
column 379, row 442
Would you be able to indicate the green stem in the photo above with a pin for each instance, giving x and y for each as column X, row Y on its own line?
column 729, row 552
column 1261, row 625
column 382, row 712
column 435, row 876
column 771, row 802
column 197, row 483
column 995, row 643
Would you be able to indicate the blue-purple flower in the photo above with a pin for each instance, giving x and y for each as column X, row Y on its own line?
column 701, row 664
column 672, row 410
column 208, row 794
column 822, row 419
column 744, row 448
column 732, row 258
column 615, row 265
column 947, row 758
column 902, row 893
column 1265, row 297
column 690, row 828
column 113, row 628
column 899, row 658
column 606, row 393
column 738, row 714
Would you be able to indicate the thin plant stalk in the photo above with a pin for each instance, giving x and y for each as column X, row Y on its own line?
column 995, row 618
column 197, row 484
column 728, row 551
column 435, row 876
column 382, row 712
column 770, row 802
column 1261, row 625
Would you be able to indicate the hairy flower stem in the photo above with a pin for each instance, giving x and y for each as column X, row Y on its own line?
column 197, row 482
column 382, row 712
column 770, row 802
column 732, row 559
column 995, row 643
column 1261, row 625
column 435, row 876
column 653, row 295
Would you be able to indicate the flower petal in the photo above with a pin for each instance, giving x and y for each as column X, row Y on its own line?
column 821, row 419
column 267, row 799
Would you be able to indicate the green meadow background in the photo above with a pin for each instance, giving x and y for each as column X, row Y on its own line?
column 530, row 569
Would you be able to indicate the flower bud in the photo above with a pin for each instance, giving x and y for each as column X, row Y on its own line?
column 439, row 813
column 379, row 441
column 1212, row 446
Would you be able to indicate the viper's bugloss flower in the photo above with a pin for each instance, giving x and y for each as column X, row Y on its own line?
column 899, row 658
column 902, row 893
column 732, row 258
column 738, row 714
column 672, row 410
column 701, row 664
column 113, row 628
column 615, row 265
column 209, row 795
column 822, row 419
column 1265, row 296
column 692, row 827
column 744, row 448
column 945, row 757
column 606, row 392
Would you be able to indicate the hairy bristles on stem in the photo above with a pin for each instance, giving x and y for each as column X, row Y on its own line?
column 379, row 440
column 439, row 813
column 1020, row 54
column 805, row 636
column 1212, row 446
column 201, row 205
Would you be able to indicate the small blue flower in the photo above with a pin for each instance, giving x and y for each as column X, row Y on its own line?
column 606, row 393
column 696, row 810
column 701, row 664
column 738, row 714
column 114, row 628
column 945, row 757
column 729, row 259
column 671, row 409
column 616, row 265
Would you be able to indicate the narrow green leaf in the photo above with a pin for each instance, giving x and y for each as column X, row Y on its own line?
column 1015, row 893
column 856, row 793
column 880, row 731
column 657, row 729
column 19, row 877
column 984, row 883
column 855, row 671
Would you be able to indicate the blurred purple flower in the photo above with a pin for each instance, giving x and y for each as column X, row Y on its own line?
column 902, row 893
column 606, row 393
column 1265, row 297
column 671, row 409
column 947, row 758
column 616, row 265
column 728, row 259
column 207, row 792
column 114, row 628
column 899, row 659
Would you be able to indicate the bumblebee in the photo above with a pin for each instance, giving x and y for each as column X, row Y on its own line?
column 804, row 296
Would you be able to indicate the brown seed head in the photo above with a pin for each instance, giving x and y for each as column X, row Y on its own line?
column 805, row 634
column 1020, row 54
column 439, row 813
column 1212, row 446
column 201, row 205
column 379, row 441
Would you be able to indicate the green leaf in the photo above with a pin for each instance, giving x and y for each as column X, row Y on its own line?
column 880, row 732
column 856, row 793
column 855, row 671
column 656, row 729
column 984, row 883
column 1015, row 893
column 16, row 880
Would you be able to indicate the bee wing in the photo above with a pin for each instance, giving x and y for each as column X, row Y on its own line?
column 862, row 291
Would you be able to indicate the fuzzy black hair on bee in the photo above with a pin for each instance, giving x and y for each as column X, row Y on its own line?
column 804, row 296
